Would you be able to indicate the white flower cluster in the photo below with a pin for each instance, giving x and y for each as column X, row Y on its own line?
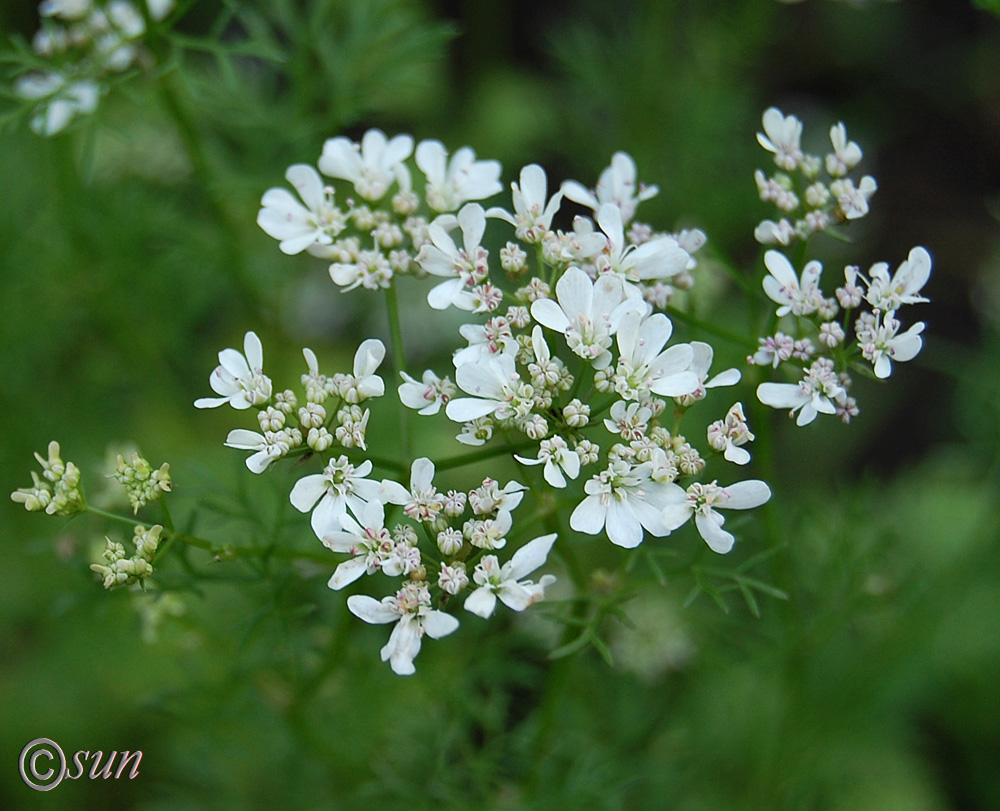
column 820, row 349
column 807, row 202
column 87, row 41
column 331, row 411
column 384, row 228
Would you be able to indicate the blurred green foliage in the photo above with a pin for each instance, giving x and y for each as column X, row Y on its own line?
column 129, row 256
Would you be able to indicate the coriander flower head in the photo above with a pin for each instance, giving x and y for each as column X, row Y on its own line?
column 372, row 165
column 239, row 378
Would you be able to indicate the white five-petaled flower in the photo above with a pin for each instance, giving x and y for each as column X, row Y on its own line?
column 623, row 500
column 588, row 313
column 729, row 434
column 372, row 165
column 505, row 581
column 364, row 383
column 846, row 154
column 881, row 342
column 463, row 178
column 426, row 395
column 422, row 502
column 702, row 355
column 817, row 393
column 558, row 458
column 463, row 267
column 497, row 390
column 368, row 541
column 495, row 337
column 616, row 185
column 704, row 500
column 783, row 286
column 853, row 200
column 239, row 377
column 781, row 136
column 659, row 258
column 411, row 610
column 267, row 447
column 886, row 294
column 533, row 210
column 340, row 487
column 643, row 367
column 298, row 226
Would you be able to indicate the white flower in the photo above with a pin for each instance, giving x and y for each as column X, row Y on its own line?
column 846, row 154
column 505, row 582
column 703, row 500
column 557, row 457
column 660, row 258
column 623, row 500
column 729, row 434
column 267, row 447
column 774, row 233
column 485, row 341
column 299, row 226
column 702, row 355
column 783, row 287
column 449, row 184
column 371, row 166
column 411, row 610
column 588, row 313
column 629, row 421
column 364, row 383
column 817, row 393
column 853, row 201
column 616, row 185
column 340, row 487
column 533, row 211
column 463, row 267
column 497, row 388
column 881, row 344
column 369, row 542
column 421, row 502
column 887, row 294
column 60, row 100
column 428, row 395
column 643, row 368
column 781, row 136
column 239, row 378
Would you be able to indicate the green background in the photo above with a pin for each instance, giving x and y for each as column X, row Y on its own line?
column 125, row 266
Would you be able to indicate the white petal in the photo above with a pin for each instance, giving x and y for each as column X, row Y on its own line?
column 746, row 495
column 529, row 557
column 438, row 624
column 481, row 602
column 589, row 516
column 370, row 610
column 715, row 536
column 347, row 572
column 307, row 491
column 623, row 527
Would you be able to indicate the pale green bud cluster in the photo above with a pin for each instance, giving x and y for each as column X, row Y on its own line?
column 142, row 483
column 57, row 490
column 122, row 570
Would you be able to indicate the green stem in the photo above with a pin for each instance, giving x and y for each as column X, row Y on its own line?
column 399, row 364
column 234, row 263
column 479, row 456
column 711, row 329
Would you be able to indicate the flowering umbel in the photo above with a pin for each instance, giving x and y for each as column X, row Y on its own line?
column 573, row 358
